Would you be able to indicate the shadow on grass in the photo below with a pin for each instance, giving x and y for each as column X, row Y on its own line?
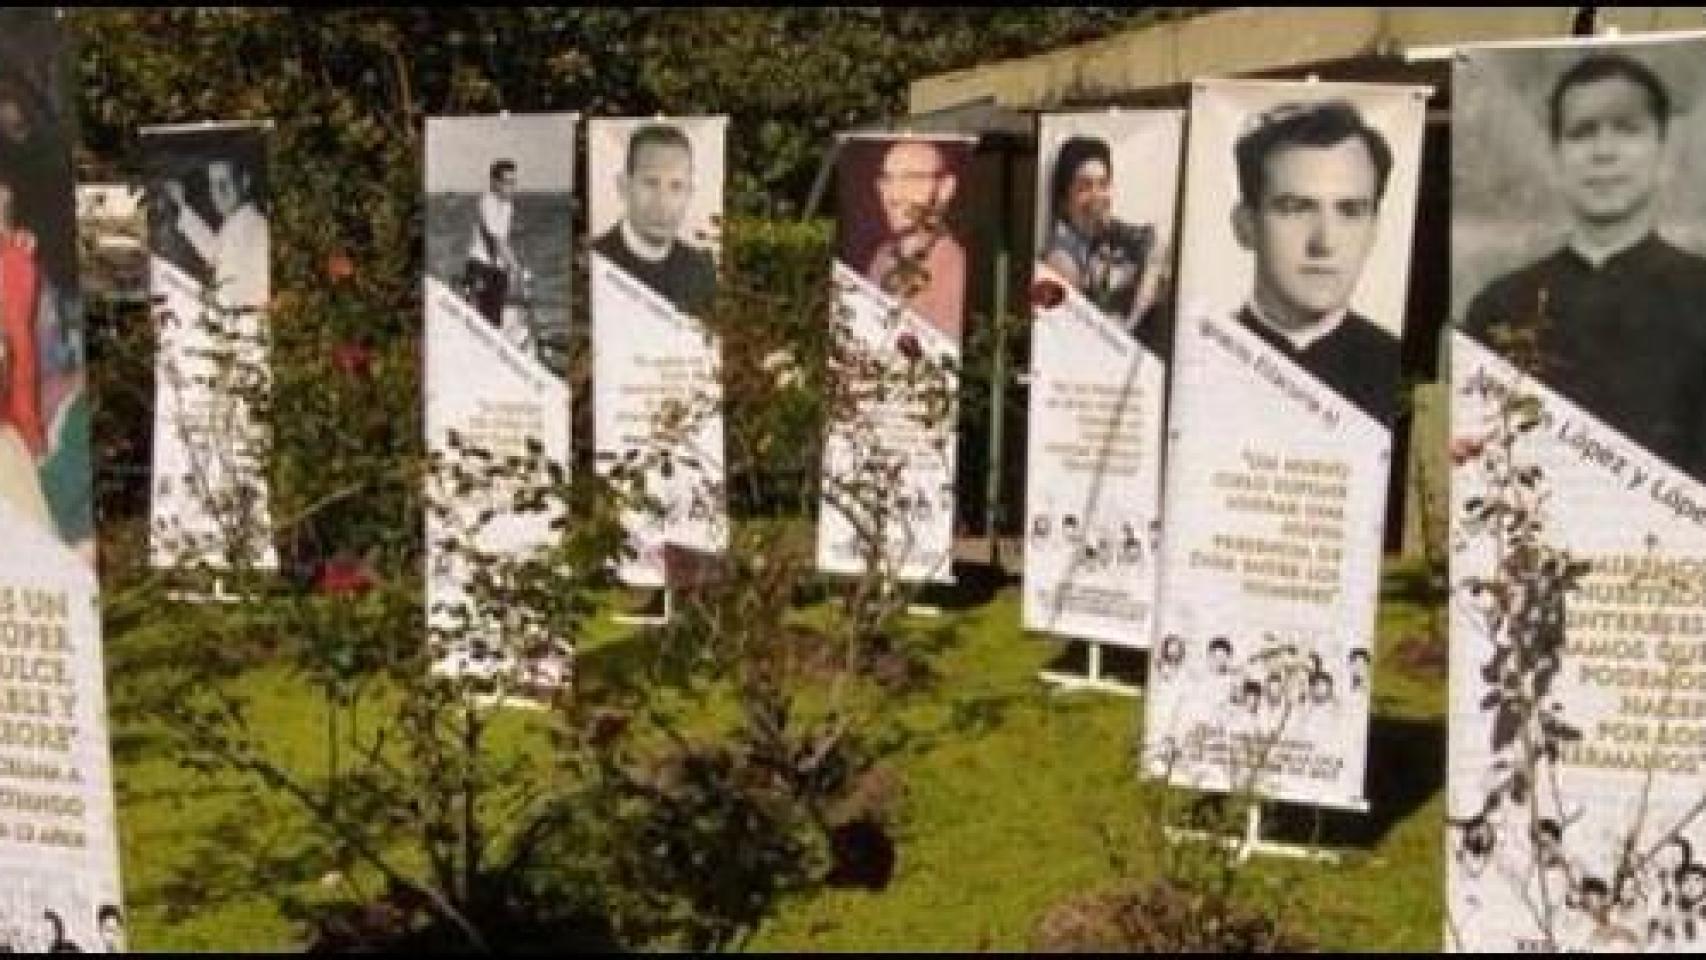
column 975, row 586
column 1406, row 768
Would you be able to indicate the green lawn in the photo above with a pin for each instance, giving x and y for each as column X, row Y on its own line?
column 1015, row 796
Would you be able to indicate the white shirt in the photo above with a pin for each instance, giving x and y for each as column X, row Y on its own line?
column 495, row 215
column 238, row 253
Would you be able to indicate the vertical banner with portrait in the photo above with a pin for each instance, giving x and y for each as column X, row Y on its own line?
column 887, row 494
column 656, row 195
column 1107, row 192
column 209, row 276
column 1299, row 211
column 500, row 201
column 59, row 860
column 1575, row 810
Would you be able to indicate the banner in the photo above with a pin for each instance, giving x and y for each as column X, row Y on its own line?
column 887, row 495
column 656, row 197
column 500, row 195
column 1106, row 194
column 1578, row 557
column 59, row 859
column 208, row 273
column 1297, row 237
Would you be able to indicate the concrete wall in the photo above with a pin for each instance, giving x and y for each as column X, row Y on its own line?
column 1257, row 40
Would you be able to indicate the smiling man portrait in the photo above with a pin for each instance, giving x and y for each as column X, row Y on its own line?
column 1613, row 317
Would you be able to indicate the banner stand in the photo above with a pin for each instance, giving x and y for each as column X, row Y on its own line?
column 199, row 597
column 495, row 701
column 1092, row 678
column 1251, row 843
column 649, row 619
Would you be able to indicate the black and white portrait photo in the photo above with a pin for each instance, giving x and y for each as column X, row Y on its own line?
column 500, row 195
column 208, row 209
column 1299, row 231
column 1311, row 180
column 657, row 188
column 1579, row 232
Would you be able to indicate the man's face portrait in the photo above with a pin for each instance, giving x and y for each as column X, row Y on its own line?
column 1090, row 197
column 1691, row 885
column 1608, row 149
column 504, row 183
column 1321, row 688
column 1220, row 656
column 914, row 186
column 657, row 191
column 1311, row 229
column 224, row 188
column 1359, row 670
column 1172, row 651
column 112, row 933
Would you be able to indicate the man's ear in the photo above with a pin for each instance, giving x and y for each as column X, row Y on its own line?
column 1244, row 225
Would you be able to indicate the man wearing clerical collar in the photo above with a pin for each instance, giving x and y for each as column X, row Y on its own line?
column 656, row 185
column 1613, row 318
column 1311, row 177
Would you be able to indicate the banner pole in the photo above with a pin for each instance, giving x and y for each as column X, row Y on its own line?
column 997, row 409
column 998, row 371
column 1254, row 844
column 1092, row 678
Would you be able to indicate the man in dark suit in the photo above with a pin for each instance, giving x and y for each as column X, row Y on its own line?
column 1613, row 318
column 1311, row 177
column 656, row 185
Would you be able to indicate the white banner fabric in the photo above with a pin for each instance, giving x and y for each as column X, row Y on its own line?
column 1284, row 380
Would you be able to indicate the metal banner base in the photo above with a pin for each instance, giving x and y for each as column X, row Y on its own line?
column 649, row 619
column 490, row 701
column 1251, row 843
column 218, row 595
column 1092, row 678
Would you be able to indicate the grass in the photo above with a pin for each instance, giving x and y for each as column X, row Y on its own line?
column 1015, row 797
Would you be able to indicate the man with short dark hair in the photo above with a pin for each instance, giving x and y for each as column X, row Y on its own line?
column 110, row 924
column 656, row 185
column 1359, row 668
column 1614, row 316
column 492, row 261
column 1311, row 177
column 1220, row 655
